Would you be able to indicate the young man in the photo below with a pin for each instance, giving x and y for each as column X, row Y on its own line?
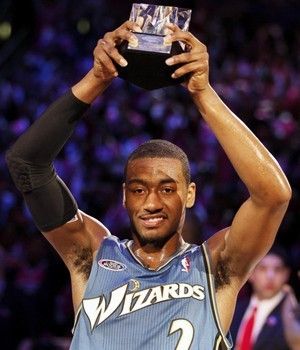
column 268, row 282
column 156, row 291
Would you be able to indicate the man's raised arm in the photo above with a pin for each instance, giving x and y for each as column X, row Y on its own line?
column 255, row 225
column 30, row 159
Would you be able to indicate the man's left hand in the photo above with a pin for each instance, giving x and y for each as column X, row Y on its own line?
column 194, row 62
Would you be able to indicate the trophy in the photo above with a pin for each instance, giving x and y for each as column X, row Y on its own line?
column 146, row 62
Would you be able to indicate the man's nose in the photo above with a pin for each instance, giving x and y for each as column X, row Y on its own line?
column 153, row 202
column 270, row 273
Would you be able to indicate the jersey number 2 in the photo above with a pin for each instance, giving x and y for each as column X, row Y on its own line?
column 187, row 333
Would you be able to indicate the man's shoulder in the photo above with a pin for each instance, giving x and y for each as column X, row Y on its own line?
column 114, row 243
column 115, row 240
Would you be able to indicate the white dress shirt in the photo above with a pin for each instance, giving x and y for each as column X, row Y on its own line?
column 264, row 308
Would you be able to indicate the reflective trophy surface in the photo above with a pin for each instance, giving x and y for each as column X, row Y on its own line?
column 146, row 61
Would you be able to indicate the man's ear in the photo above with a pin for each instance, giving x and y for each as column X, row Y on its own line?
column 124, row 195
column 191, row 195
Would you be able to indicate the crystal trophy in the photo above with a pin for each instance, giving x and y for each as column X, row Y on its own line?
column 146, row 61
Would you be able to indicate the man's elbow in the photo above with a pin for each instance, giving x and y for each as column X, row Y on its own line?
column 285, row 192
column 275, row 197
column 10, row 159
column 281, row 196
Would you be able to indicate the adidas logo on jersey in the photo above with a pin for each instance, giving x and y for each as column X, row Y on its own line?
column 98, row 309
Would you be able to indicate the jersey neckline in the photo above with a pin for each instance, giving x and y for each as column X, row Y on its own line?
column 181, row 250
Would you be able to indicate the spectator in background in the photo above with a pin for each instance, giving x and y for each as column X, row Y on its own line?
column 257, row 323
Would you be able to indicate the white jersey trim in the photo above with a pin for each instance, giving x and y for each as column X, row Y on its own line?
column 212, row 292
column 76, row 319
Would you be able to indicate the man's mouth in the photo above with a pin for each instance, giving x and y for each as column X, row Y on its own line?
column 269, row 286
column 152, row 221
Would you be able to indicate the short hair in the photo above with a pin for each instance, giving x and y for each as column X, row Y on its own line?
column 157, row 148
column 281, row 253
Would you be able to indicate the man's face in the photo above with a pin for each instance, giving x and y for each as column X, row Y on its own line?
column 269, row 276
column 155, row 196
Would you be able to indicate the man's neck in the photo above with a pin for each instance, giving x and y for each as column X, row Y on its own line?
column 154, row 256
column 278, row 296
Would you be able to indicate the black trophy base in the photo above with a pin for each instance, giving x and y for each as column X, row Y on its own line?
column 147, row 69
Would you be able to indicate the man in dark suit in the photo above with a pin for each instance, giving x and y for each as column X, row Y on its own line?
column 257, row 323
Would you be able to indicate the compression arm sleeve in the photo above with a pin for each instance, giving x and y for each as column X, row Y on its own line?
column 30, row 163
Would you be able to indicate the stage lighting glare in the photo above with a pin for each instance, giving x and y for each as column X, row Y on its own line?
column 5, row 30
column 83, row 26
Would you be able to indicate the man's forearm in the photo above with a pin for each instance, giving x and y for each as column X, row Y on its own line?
column 47, row 135
column 30, row 163
column 254, row 164
column 45, row 138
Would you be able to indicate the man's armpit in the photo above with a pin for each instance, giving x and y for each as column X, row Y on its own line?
column 83, row 261
column 224, row 272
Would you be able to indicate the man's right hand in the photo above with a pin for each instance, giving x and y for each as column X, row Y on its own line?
column 106, row 55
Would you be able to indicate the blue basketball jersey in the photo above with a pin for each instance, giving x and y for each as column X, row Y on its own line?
column 127, row 306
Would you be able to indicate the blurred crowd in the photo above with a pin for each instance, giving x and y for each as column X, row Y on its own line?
column 254, row 52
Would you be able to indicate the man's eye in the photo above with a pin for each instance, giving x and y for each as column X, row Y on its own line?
column 138, row 191
column 167, row 190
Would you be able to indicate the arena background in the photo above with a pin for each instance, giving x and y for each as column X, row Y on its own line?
column 46, row 46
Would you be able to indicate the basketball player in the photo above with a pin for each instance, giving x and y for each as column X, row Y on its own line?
column 155, row 291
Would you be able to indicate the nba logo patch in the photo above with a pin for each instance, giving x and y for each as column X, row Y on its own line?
column 186, row 263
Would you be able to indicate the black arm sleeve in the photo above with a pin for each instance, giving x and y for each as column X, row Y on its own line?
column 30, row 163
